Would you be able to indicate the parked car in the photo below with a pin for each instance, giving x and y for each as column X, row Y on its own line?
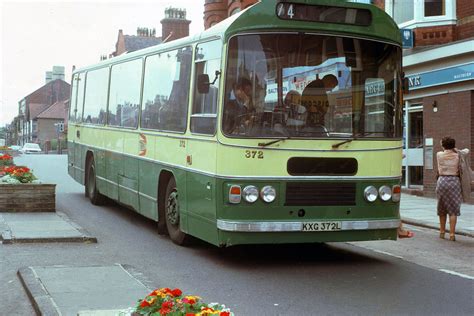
column 30, row 148
column 15, row 147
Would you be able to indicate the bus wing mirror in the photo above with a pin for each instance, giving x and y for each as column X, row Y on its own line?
column 405, row 84
column 203, row 83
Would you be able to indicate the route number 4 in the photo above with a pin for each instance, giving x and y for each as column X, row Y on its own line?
column 281, row 10
column 290, row 11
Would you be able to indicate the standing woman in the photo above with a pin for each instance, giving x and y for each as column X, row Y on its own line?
column 448, row 186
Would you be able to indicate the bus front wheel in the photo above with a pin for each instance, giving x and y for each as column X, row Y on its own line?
column 172, row 214
column 91, row 185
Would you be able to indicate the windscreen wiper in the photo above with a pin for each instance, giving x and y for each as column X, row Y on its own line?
column 273, row 141
column 356, row 137
column 335, row 146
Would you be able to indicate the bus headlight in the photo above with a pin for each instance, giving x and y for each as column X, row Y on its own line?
column 268, row 193
column 385, row 193
column 370, row 193
column 250, row 193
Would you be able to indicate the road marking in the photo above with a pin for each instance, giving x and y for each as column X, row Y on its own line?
column 386, row 253
column 457, row 273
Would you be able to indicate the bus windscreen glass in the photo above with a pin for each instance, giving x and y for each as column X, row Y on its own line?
column 312, row 86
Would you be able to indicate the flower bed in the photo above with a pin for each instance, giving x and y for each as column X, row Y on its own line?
column 21, row 191
column 6, row 160
column 169, row 302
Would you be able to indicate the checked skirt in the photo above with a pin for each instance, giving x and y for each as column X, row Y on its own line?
column 448, row 190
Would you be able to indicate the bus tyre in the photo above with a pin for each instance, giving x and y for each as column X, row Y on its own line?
column 91, row 185
column 172, row 214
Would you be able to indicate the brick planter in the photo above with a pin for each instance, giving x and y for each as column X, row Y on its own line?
column 27, row 197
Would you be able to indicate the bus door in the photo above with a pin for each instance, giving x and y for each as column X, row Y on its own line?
column 201, row 148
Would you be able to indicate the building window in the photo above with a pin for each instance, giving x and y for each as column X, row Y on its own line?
column 434, row 7
column 421, row 13
column 402, row 12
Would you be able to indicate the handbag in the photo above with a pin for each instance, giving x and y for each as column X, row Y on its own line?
column 465, row 173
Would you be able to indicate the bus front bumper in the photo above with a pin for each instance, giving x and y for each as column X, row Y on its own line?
column 305, row 226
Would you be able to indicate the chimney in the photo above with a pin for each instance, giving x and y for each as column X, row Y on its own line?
column 48, row 76
column 174, row 25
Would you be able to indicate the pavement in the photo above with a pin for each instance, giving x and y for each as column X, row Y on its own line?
column 111, row 290
column 27, row 227
column 421, row 211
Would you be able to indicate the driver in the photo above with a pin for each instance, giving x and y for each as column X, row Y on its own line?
column 237, row 109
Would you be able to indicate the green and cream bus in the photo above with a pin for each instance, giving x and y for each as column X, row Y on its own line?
column 281, row 124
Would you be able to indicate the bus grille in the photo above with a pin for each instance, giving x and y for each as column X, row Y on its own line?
column 320, row 194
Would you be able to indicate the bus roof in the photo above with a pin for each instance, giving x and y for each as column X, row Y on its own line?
column 262, row 17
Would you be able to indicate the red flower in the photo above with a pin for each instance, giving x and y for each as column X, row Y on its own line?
column 167, row 304
column 176, row 292
column 144, row 303
column 224, row 314
column 164, row 311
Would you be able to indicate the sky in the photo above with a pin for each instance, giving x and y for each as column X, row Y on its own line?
column 37, row 35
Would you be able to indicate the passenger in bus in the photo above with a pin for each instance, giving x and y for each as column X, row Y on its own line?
column 296, row 113
column 315, row 99
column 237, row 110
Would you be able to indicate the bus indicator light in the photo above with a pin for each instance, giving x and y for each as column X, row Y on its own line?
column 396, row 192
column 235, row 194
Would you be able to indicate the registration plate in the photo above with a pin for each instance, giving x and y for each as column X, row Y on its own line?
column 321, row 226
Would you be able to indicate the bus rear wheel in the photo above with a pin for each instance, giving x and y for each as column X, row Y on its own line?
column 172, row 214
column 91, row 185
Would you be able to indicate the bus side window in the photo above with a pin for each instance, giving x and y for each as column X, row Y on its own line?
column 165, row 90
column 95, row 99
column 204, row 114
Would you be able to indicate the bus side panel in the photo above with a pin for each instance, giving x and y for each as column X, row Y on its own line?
column 201, row 197
column 148, row 186
column 128, row 179
column 79, row 163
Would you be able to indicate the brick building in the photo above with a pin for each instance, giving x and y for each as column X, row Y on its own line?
column 173, row 26
column 218, row 10
column 440, row 68
column 34, row 104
